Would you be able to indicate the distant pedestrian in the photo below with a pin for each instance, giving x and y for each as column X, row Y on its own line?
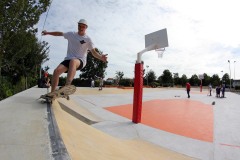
column 223, row 90
column 218, row 90
column 210, row 89
column 100, row 83
column 92, row 83
column 45, row 74
column 188, row 88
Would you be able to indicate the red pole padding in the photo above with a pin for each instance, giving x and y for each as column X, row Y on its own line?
column 138, row 89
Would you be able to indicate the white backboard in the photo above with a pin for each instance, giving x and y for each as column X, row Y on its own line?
column 158, row 38
column 201, row 76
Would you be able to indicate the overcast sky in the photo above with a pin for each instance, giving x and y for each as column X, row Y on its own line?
column 202, row 34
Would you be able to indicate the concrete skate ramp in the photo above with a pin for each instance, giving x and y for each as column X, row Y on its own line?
column 87, row 143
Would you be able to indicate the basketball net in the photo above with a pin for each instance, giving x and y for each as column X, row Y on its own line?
column 160, row 52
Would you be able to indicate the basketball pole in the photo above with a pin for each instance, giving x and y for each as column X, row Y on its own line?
column 153, row 41
column 138, row 86
column 138, row 90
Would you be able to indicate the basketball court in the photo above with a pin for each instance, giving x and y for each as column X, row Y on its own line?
column 192, row 127
column 184, row 117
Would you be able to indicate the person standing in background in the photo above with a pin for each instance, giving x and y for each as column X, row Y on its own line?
column 188, row 88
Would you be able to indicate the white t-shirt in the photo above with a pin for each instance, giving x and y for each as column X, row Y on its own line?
column 78, row 46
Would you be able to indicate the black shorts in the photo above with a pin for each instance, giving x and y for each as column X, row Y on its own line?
column 66, row 64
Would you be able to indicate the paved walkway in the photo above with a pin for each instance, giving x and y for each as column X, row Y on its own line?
column 24, row 131
column 98, row 124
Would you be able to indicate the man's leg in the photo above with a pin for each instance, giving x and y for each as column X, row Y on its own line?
column 73, row 65
column 57, row 72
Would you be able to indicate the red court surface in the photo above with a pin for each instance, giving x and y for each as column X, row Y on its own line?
column 187, row 118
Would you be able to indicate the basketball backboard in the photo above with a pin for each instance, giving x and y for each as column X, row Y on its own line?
column 156, row 40
column 201, row 76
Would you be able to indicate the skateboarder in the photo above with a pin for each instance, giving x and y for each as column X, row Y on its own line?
column 78, row 45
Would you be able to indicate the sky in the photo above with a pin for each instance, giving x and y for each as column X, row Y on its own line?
column 202, row 34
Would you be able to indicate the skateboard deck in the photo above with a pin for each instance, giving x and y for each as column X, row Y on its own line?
column 63, row 92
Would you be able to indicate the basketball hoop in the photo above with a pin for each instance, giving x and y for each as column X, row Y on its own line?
column 160, row 52
column 154, row 41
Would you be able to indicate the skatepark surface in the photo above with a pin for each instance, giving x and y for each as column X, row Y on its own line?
column 97, row 124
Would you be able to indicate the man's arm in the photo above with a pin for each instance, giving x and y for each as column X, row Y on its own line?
column 102, row 57
column 52, row 33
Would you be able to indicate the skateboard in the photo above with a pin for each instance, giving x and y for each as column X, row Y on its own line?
column 63, row 92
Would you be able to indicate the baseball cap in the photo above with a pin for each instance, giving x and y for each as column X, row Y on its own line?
column 83, row 21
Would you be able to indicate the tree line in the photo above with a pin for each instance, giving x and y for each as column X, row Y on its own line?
column 169, row 79
column 21, row 53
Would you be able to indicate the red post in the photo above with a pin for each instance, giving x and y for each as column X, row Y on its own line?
column 138, row 89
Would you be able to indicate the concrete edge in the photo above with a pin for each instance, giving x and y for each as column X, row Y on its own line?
column 78, row 112
column 59, row 151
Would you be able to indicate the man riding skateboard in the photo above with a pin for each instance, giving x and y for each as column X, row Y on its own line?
column 78, row 45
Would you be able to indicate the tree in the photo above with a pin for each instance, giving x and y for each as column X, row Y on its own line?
column 150, row 77
column 207, row 80
column 176, row 79
column 194, row 80
column 119, row 76
column 94, row 68
column 20, row 52
column 226, row 79
column 184, row 79
column 26, row 54
column 166, row 78
column 215, row 80
column 18, row 17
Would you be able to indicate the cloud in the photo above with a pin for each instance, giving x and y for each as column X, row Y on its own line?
column 202, row 35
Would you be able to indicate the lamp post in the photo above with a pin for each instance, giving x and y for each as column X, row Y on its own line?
column 234, row 76
column 230, row 73
column 174, row 75
column 222, row 77
column 147, row 74
column 234, row 70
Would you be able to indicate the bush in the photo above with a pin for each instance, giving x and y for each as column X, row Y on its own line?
column 237, row 87
column 126, row 82
column 5, row 88
column 82, row 82
column 167, row 85
column 108, row 83
column 154, row 84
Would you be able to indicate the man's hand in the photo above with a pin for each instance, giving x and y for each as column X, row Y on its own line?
column 104, row 57
column 44, row 32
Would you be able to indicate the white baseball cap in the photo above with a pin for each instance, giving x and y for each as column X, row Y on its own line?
column 83, row 21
